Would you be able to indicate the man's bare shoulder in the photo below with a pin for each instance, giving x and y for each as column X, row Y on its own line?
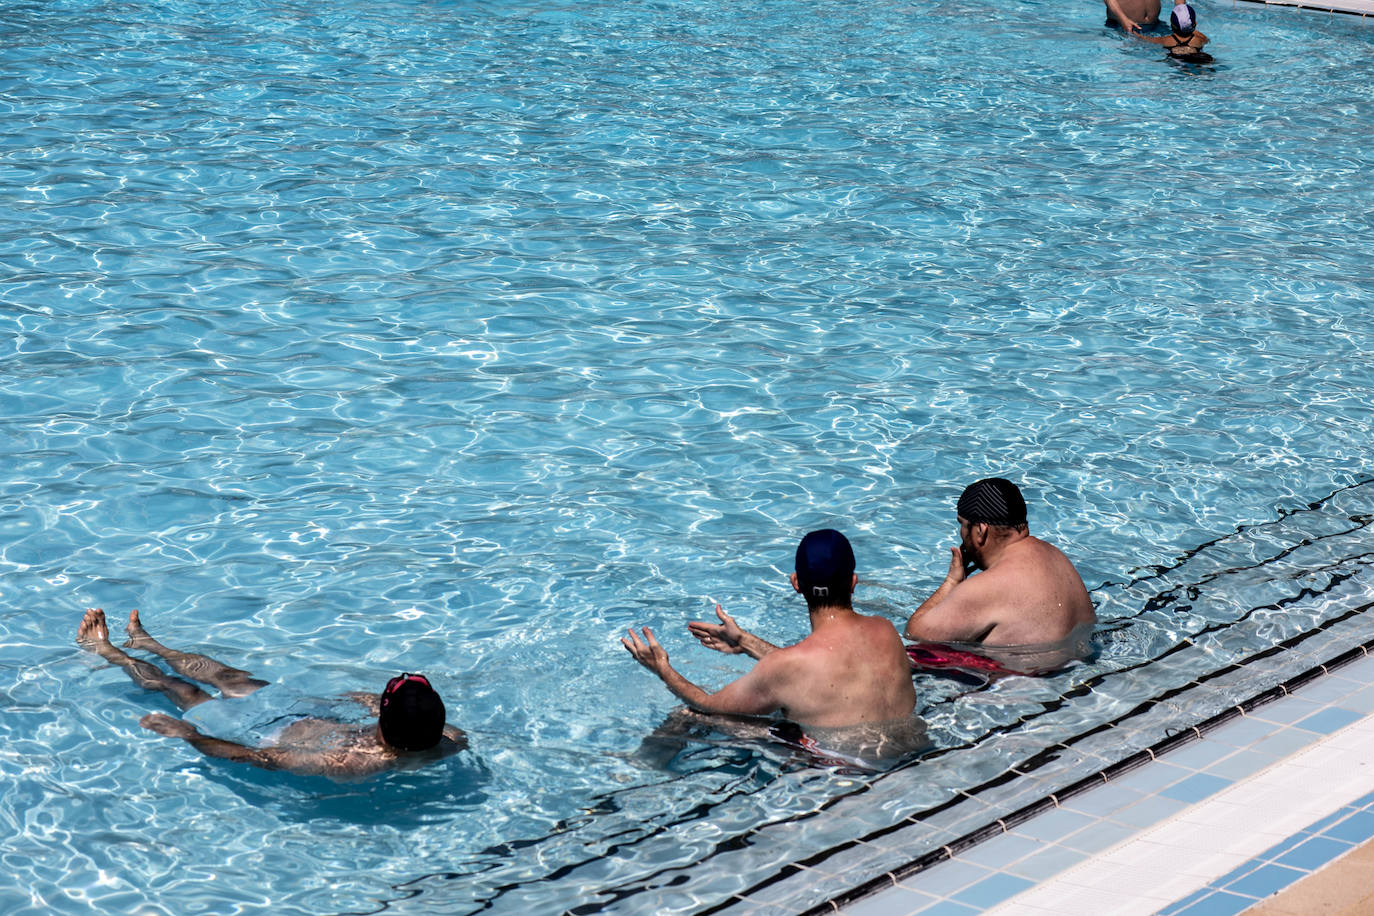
column 785, row 657
column 801, row 660
column 1031, row 551
column 877, row 623
column 862, row 633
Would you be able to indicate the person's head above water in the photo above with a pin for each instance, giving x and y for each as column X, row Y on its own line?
column 825, row 569
column 1183, row 20
column 412, row 714
column 994, row 501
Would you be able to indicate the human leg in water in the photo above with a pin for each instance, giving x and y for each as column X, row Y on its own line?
column 232, row 682
column 93, row 634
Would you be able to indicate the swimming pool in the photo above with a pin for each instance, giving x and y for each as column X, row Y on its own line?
column 459, row 337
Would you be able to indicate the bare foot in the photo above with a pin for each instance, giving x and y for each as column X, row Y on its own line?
column 166, row 725
column 93, row 631
column 138, row 636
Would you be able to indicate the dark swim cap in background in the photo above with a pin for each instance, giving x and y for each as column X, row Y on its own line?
column 824, row 558
column 995, row 501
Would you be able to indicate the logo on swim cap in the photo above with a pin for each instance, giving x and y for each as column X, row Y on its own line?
column 994, row 501
column 1183, row 20
column 825, row 561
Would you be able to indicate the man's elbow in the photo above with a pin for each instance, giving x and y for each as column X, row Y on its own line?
column 915, row 631
column 735, row 706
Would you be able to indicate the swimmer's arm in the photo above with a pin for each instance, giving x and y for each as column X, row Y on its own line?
column 729, row 637
column 751, row 695
column 1202, row 39
column 753, row 646
column 949, row 615
column 916, row 624
column 267, row 758
column 332, row 764
column 1152, row 39
column 754, row 694
column 1127, row 23
column 295, row 760
column 456, row 735
column 369, row 701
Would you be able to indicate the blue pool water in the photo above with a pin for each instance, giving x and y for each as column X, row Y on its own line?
column 458, row 337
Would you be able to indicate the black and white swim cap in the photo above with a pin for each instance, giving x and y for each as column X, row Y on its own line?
column 1183, row 20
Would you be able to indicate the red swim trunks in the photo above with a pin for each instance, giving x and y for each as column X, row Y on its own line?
column 934, row 656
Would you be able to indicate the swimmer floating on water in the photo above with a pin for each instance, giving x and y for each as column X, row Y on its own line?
column 1185, row 42
column 410, row 727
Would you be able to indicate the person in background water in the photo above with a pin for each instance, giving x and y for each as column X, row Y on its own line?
column 1132, row 15
column 1004, row 588
column 1184, row 41
column 409, row 731
column 851, row 670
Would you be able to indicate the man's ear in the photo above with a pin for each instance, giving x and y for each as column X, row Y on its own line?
column 980, row 531
column 854, row 583
column 796, row 583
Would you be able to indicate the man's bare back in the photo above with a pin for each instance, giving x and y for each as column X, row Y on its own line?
column 1028, row 592
column 851, row 670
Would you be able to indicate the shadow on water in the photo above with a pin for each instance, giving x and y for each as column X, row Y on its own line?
column 401, row 799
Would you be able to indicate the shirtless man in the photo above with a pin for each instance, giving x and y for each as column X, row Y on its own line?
column 1130, row 15
column 1027, row 593
column 851, row 670
column 410, row 727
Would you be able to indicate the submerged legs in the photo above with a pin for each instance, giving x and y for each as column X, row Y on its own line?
column 94, row 635
column 232, row 682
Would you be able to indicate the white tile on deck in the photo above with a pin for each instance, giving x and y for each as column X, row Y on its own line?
column 1164, row 863
column 1185, row 826
column 1359, row 7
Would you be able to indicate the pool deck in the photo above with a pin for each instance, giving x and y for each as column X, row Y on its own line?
column 1278, row 800
column 1353, row 7
column 1345, row 887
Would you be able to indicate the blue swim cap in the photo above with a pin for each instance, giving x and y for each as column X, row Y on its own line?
column 1183, row 20
column 825, row 564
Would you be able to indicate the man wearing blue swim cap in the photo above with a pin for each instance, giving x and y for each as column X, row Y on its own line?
column 1027, row 593
column 851, row 670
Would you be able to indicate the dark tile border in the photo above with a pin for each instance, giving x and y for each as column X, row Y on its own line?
column 1053, row 800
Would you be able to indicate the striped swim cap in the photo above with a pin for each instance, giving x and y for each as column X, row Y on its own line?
column 995, row 501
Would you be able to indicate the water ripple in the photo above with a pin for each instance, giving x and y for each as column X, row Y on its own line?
column 348, row 339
